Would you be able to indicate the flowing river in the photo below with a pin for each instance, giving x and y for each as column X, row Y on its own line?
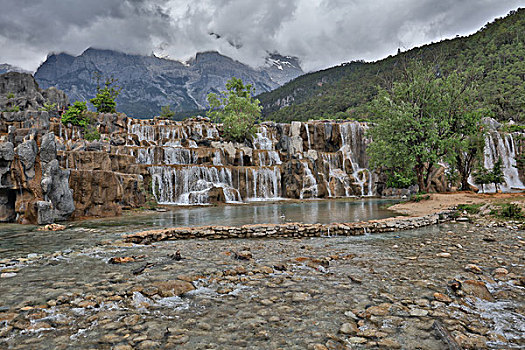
column 59, row 291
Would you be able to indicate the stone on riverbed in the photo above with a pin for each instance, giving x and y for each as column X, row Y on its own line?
column 173, row 288
column 477, row 289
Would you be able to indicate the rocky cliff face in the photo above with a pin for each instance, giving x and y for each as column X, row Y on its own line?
column 49, row 172
column 148, row 82
column 19, row 92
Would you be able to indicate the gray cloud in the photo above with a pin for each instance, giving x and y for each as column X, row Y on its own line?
column 321, row 32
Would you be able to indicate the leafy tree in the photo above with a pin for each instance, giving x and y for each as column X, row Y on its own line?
column 482, row 177
column 236, row 109
column 76, row 115
column 104, row 101
column 496, row 174
column 418, row 121
column 166, row 112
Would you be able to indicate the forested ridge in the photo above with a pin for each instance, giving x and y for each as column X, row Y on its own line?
column 496, row 52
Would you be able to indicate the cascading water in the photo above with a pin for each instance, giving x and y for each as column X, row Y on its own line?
column 309, row 183
column 185, row 172
column 352, row 138
column 498, row 145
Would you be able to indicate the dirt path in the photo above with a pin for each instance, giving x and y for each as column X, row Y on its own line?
column 442, row 201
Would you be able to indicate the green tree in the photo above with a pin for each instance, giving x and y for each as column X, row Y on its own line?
column 419, row 120
column 482, row 177
column 166, row 112
column 496, row 174
column 104, row 101
column 76, row 115
column 236, row 109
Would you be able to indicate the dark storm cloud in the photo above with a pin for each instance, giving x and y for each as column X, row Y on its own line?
column 320, row 32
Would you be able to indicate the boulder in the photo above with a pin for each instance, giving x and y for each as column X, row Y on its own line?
column 173, row 288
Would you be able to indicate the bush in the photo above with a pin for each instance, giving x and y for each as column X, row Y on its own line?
column 511, row 211
column 91, row 134
column 76, row 115
column 469, row 208
column 166, row 112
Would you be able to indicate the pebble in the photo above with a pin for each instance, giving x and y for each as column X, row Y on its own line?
column 299, row 296
column 7, row 274
column 349, row 328
column 473, row 268
column 443, row 255
column 418, row 312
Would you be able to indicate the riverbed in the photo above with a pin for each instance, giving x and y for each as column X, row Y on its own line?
column 59, row 290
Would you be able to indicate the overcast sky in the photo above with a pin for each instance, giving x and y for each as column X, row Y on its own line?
column 321, row 33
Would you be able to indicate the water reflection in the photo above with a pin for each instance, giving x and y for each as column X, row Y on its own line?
column 20, row 240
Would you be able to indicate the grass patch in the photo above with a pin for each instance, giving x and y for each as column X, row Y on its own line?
column 470, row 208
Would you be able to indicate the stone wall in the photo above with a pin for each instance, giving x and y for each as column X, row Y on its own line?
column 289, row 230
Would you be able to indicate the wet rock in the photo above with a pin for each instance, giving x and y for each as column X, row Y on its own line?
column 349, row 328
column 388, row 344
column 379, row 310
column 477, row 289
column 357, row 340
column 442, row 298
column 500, row 271
column 443, row 255
column 473, row 268
column 300, row 297
column 418, row 312
column 52, row 227
column 173, row 288
column 243, row 255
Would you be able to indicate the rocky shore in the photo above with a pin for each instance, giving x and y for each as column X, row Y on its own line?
column 446, row 286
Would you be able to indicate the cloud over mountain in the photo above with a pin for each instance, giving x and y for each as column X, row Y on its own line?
column 320, row 32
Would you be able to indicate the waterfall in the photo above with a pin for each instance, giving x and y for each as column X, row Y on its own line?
column 191, row 184
column 308, row 136
column 143, row 132
column 179, row 156
column 266, row 183
column 352, row 138
column 498, row 145
column 146, row 156
column 309, row 182
column 262, row 139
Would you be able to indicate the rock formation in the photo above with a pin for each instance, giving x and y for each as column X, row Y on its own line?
column 49, row 172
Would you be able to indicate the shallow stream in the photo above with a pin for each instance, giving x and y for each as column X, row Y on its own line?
column 58, row 290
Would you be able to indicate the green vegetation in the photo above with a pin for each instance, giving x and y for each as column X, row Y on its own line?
column 13, row 109
column 470, row 208
column 91, row 133
column 76, row 115
column 104, row 101
column 236, row 109
column 48, row 107
column 10, row 95
column 497, row 51
column 511, row 211
column 422, row 119
column 166, row 112
column 496, row 174
column 420, row 197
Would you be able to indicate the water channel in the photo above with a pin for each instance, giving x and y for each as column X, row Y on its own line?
column 59, row 291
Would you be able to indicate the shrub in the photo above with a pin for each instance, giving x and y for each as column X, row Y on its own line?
column 91, row 134
column 511, row 211
column 76, row 115
column 469, row 208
